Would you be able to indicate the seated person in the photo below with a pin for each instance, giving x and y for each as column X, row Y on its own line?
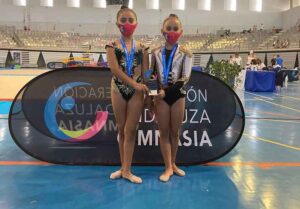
column 254, row 66
column 260, row 65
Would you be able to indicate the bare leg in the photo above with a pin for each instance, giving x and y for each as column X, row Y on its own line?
column 177, row 114
column 119, row 107
column 149, row 105
column 163, row 119
column 134, row 109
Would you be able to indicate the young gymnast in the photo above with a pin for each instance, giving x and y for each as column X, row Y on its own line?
column 128, row 59
column 171, row 65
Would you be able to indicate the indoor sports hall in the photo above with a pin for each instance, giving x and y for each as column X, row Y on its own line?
column 239, row 140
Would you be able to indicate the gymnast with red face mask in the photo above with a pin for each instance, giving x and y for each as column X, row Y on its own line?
column 171, row 64
column 128, row 60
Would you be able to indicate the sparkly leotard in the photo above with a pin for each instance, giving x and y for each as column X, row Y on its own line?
column 126, row 90
column 179, row 73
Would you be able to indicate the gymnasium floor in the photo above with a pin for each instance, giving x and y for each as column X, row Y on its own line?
column 262, row 171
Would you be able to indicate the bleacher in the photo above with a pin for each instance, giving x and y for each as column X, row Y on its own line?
column 6, row 40
column 12, row 38
column 289, row 39
column 49, row 40
column 197, row 43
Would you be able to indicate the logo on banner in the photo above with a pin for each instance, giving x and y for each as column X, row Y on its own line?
column 66, row 116
column 62, row 103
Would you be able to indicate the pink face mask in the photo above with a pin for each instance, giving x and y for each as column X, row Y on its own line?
column 127, row 29
column 172, row 36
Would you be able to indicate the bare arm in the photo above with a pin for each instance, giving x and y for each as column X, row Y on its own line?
column 145, row 64
column 118, row 72
column 116, row 69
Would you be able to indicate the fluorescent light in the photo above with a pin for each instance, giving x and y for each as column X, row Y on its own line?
column 130, row 4
column 152, row 4
column 46, row 3
column 230, row 5
column 73, row 3
column 204, row 5
column 20, row 3
column 178, row 4
column 100, row 3
column 258, row 5
column 255, row 5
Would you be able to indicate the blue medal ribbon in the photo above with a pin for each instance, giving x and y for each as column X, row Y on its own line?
column 167, row 67
column 129, row 57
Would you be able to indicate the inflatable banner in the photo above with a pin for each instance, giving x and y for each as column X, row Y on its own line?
column 65, row 116
column 55, row 65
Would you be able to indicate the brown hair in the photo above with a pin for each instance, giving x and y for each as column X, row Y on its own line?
column 123, row 8
column 258, row 61
column 172, row 16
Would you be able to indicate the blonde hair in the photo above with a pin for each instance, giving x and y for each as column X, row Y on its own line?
column 172, row 16
column 124, row 8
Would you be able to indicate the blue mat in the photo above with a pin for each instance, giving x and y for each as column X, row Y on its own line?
column 4, row 107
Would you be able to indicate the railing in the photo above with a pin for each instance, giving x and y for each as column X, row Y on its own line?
column 201, row 58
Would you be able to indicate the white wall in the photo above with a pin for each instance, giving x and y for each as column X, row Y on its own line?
column 88, row 19
column 296, row 3
column 291, row 17
column 275, row 5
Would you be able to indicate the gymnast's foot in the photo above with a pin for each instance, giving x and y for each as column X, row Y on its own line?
column 178, row 171
column 132, row 178
column 116, row 175
column 165, row 176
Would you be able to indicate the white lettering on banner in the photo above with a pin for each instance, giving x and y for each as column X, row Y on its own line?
column 193, row 119
column 148, row 139
column 110, row 125
column 84, row 109
column 191, row 116
column 195, row 115
column 204, row 113
column 196, row 95
column 151, row 138
column 146, row 118
column 205, row 139
column 84, row 92
column 78, row 125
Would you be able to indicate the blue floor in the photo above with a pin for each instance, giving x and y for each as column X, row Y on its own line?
column 262, row 171
column 4, row 107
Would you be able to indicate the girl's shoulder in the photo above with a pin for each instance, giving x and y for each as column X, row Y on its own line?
column 111, row 44
column 185, row 50
column 117, row 44
column 156, row 50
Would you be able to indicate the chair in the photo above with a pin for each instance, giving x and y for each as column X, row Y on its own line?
column 280, row 77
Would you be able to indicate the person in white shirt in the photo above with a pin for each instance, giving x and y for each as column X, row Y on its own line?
column 231, row 60
column 237, row 59
column 262, row 27
column 260, row 65
column 254, row 65
column 251, row 56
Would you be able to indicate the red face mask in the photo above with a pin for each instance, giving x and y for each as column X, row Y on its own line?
column 127, row 29
column 172, row 37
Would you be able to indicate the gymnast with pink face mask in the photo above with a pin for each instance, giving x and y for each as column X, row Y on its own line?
column 128, row 60
column 171, row 64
